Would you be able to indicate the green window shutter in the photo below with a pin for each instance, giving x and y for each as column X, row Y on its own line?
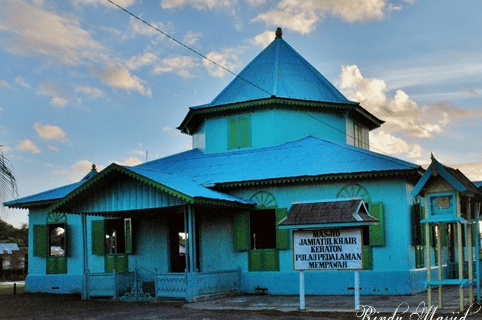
column 233, row 133
column 244, row 132
column 271, row 260
column 67, row 241
column 415, row 224
column 98, row 237
column 122, row 261
column 377, row 232
column 40, row 240
column 255, row 260
column 128, row 235
column 51, row 265
column 61, row 265
column 282, row 236
column 241, row 232
column 419, row 256
column 367, row 257
column 263, row 260
column 109, row 262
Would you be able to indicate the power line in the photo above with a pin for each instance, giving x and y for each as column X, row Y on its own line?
column 226, row 69
column 188, row 47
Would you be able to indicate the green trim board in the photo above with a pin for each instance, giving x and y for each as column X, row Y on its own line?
column 194, row 112
column 415, row 174
column 99, row 180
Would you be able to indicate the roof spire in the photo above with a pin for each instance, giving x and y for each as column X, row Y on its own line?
column 278, row 33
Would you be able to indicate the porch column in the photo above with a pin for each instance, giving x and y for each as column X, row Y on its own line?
column 192, row 276
column 85, row 289
column 191, row 217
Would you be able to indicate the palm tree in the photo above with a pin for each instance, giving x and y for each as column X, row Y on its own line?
column 8, row 183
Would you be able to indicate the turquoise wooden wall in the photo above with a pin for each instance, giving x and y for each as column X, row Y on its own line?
column 392, row 263
column 394, row 266
column 272, row 127
column 127, row 194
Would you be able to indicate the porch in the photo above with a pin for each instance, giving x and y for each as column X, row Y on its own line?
column 141, row 284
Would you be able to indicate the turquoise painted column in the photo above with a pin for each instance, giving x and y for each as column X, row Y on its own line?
column 85, row 282
column 186, row 243
column 192, row 276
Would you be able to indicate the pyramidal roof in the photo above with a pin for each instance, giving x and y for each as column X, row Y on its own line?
column 279, row 71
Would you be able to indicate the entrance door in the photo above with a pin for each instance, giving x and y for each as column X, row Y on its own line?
column 177, row 243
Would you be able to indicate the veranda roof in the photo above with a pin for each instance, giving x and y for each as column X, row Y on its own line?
column 328, row 213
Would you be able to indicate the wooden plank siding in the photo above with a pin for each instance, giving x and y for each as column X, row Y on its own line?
column 125, row 195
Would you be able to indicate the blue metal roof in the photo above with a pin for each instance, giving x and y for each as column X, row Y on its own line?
column 9, row 247
column 281, row 72
column 184, row 185
column 194, row 172
column 307, row 157
column 453, row 176
column 47, row 197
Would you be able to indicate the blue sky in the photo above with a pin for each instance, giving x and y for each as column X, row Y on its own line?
column 82, row 82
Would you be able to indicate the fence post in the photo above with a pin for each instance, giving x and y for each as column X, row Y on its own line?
column 115, row 283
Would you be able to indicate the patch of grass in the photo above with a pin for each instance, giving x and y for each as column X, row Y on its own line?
column 7, row 288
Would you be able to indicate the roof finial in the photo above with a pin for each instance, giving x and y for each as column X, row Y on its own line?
column 94, row 167
column 278, row 33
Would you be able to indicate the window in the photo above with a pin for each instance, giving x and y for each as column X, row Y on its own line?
column 113, row 239
column 50, row 242
column 57, row 243
column 239, row 132
column 263, row 229
column 257, row 232
column 360, row 136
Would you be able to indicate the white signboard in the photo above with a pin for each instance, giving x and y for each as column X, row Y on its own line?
column 327, row 249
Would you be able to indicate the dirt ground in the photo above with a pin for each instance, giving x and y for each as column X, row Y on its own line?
column 53, row 307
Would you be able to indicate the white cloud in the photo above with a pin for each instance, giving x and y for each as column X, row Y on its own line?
column 191, row 38
column 122, row 3
column 28, row 145
column 52, row 148
column 472, row 170
column 48, row 132
column 92, row 92
column 58, row 97
column 35, row 31
column 137, row 27
column 4, row 84
column 263, row 39
column 140, row 60
column 21, row 82
column 120, row 77
column 402, row 114
column 302, row 15
column 180, row 64
column 78, row 170
column 197, row 4
column 227, row 58
column 385, row 142
column 131, row 161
